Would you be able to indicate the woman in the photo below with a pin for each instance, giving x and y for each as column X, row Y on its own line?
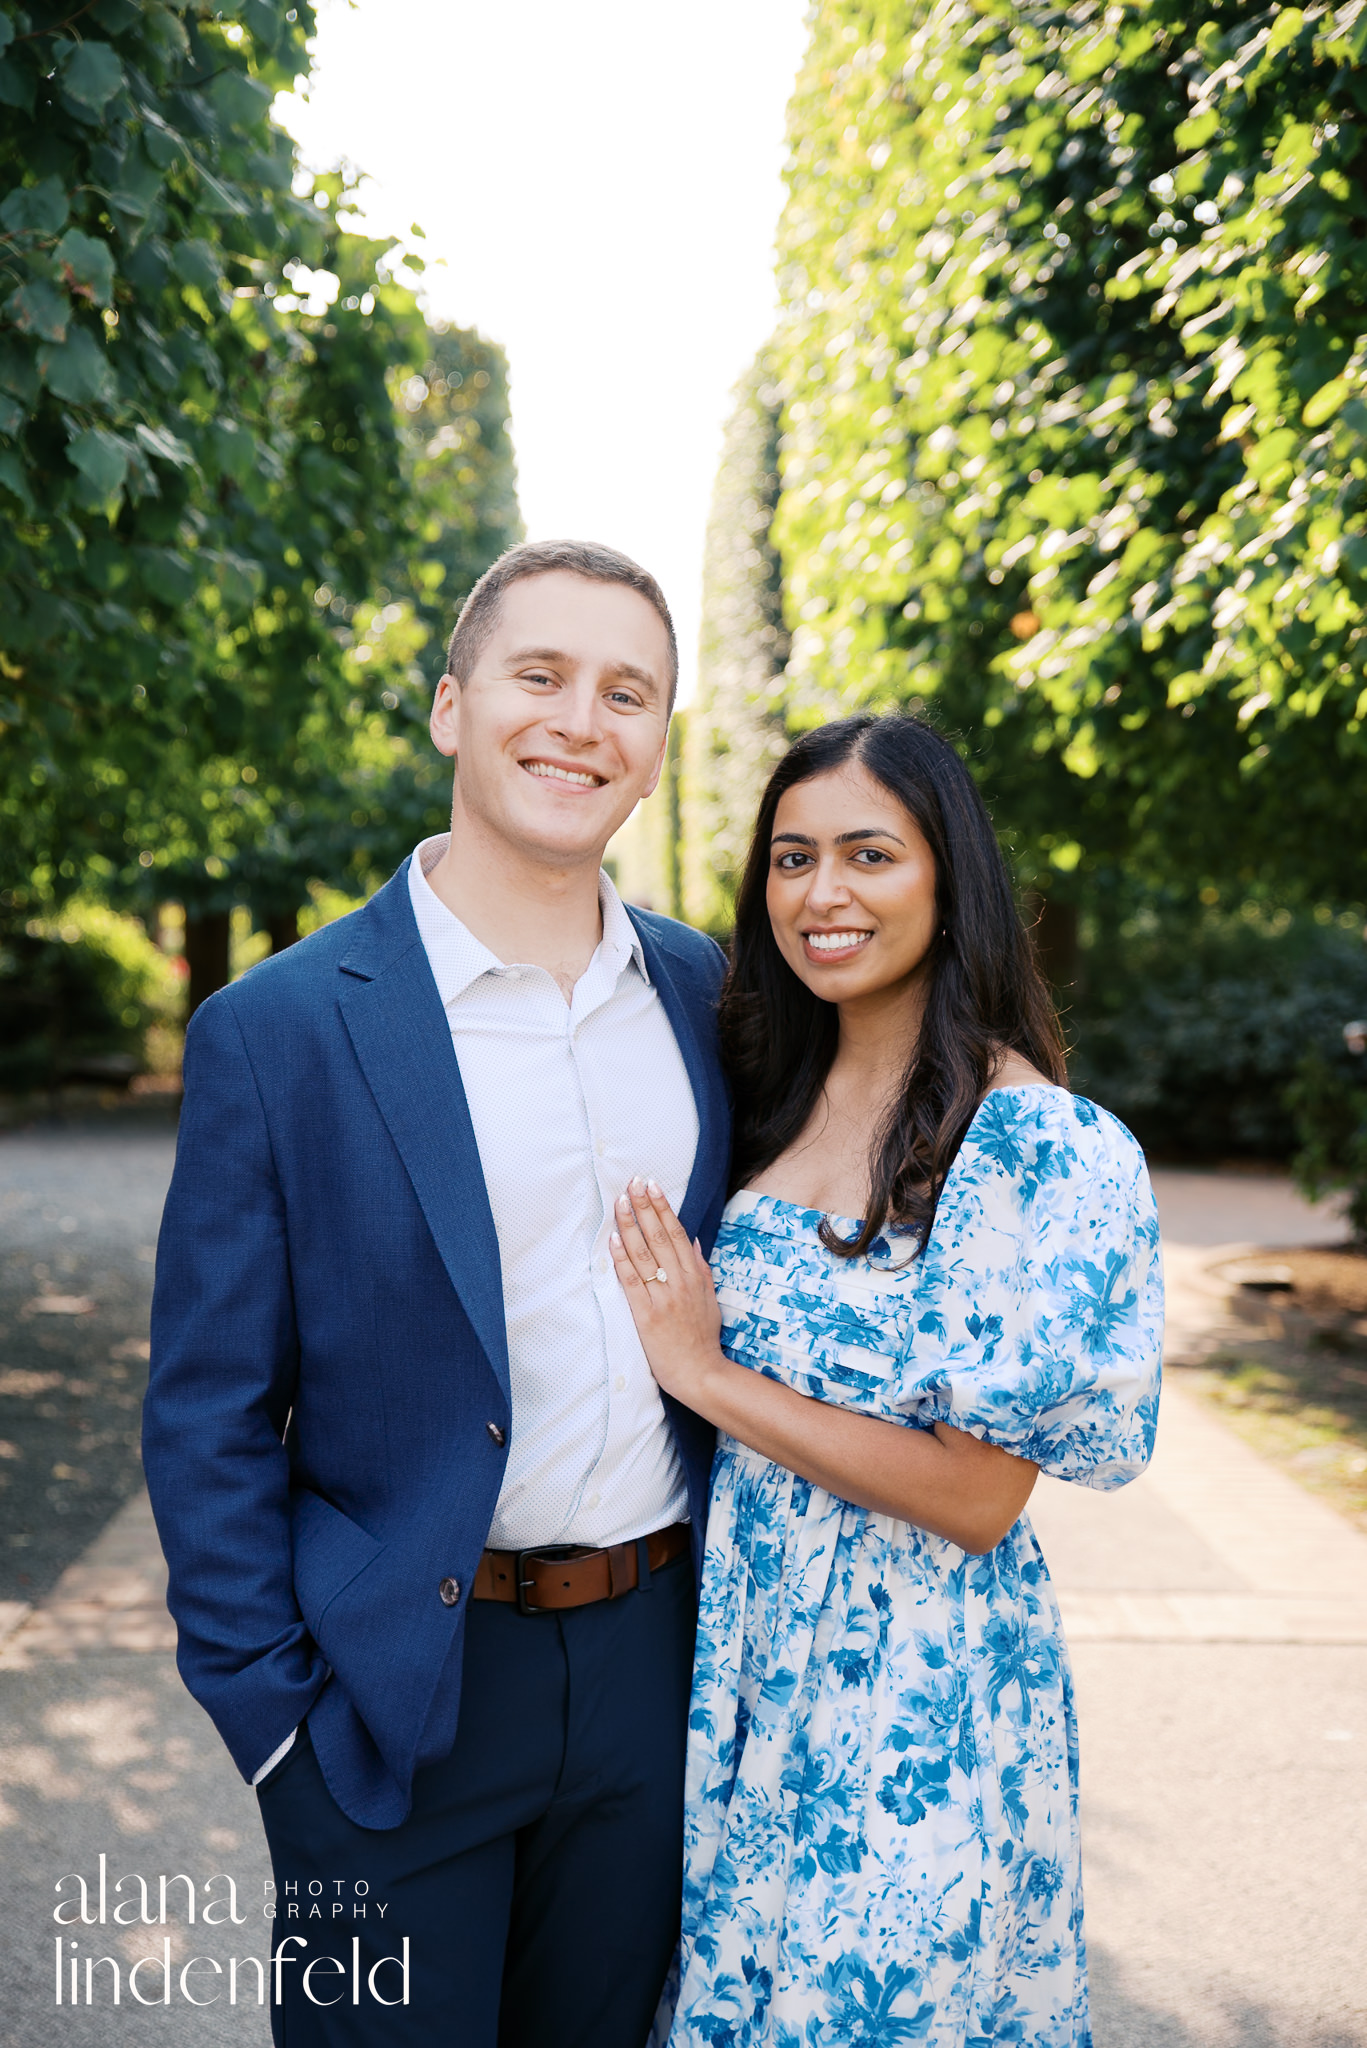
column 882, row 1839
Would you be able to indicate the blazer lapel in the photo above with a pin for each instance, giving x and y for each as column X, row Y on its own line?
column 704, row 1075
column 398, row 1028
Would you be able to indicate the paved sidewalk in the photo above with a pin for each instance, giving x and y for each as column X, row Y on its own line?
column 1217, row 1616
column 1218, row 1622
column 79, row 1208
column 101, row 1748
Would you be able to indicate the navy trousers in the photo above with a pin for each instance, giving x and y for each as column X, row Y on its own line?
column 538, row 1877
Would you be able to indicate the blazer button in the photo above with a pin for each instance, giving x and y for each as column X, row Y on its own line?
column 500, row 1436
column 449, row 1590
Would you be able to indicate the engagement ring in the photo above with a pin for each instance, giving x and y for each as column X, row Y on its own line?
column 661, row 1275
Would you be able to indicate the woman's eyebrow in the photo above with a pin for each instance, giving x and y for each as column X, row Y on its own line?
column 841, row 838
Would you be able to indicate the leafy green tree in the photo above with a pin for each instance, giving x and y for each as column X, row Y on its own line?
column 735, row 725
column 463, row 477
column 1074, row 361
column 367, row 782
column 147, row 217
column 220, row 475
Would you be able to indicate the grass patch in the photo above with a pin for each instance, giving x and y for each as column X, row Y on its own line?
column 1299, row 1393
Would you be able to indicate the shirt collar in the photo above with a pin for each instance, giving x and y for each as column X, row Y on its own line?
column 620, row 936
column 458, row 958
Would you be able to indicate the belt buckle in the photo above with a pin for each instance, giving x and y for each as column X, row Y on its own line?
column 549, row 1551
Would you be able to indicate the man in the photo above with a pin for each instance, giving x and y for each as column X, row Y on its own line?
column 427, row 1516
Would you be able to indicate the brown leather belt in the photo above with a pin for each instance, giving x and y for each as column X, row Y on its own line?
column 547, row 1580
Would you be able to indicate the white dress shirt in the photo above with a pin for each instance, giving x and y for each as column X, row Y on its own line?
column 568, row 1101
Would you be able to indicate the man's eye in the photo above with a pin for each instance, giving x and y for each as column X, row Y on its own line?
column 623, row 697
column 536, row 675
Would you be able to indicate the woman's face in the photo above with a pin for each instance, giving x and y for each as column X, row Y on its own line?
column 851, row 892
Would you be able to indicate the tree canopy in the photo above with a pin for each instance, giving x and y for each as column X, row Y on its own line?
column 245, row 479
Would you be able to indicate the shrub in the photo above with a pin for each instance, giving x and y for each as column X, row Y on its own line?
column 76, row 989
column 1329, row 1101
column 1194, row 1029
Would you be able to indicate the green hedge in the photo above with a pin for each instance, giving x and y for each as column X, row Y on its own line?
column 1074, row 358
column 75, row 990
column 735, row 724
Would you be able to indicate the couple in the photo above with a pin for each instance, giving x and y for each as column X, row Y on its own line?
column 442, row 1376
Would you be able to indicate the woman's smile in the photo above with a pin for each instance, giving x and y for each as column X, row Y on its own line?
column 827, row 947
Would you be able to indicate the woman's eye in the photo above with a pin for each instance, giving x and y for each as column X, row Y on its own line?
column 871, row 856
column 789, row 863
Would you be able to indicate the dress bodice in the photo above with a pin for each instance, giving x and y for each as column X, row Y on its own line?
column 830, row 1326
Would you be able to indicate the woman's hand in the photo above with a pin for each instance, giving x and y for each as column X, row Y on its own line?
column 668, row 1286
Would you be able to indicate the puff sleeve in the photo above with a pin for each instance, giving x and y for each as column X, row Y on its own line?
column 1038, row 1320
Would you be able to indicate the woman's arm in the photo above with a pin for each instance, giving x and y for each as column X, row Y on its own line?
column 943, row 1479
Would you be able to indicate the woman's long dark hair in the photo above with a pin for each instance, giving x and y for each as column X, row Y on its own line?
column 986, row 993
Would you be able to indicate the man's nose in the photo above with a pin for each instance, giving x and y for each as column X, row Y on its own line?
column 575, row 716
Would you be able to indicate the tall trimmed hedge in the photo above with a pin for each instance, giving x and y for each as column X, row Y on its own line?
column 1075, row 362
column 735, row 725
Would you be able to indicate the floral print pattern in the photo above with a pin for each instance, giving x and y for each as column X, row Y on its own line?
column 882, row 1841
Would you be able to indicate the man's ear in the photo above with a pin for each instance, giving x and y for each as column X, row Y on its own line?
column 444, row 724
column 658, row 769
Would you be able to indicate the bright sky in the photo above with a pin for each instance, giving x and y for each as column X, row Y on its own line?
column 601, row 184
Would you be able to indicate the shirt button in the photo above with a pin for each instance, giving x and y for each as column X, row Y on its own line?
column 592, row 1501
column 601, row 1265
column 619, row 1385
column 500, row 1436
column 449, row 1589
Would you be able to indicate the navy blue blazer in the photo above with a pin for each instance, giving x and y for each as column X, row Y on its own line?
column 328, row 1345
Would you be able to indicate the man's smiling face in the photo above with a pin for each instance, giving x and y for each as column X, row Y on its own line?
column 560, row 730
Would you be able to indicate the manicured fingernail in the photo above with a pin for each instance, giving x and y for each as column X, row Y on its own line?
column 638, row 1186
column 655, row 1188
column 615, row 1241
column 623, row 1204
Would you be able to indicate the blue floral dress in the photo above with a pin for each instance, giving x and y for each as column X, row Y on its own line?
column 882, row 1837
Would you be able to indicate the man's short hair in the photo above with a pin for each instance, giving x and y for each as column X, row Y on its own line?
column 479, row 613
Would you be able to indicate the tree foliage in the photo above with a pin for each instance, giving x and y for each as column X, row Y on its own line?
column 735, row 724
column 462, row 476
column 1075, row 357
column 360, row 783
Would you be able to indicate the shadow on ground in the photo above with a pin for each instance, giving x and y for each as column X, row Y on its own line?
column 80, row 1206
column 1121, row 2019
column 111, row 1754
